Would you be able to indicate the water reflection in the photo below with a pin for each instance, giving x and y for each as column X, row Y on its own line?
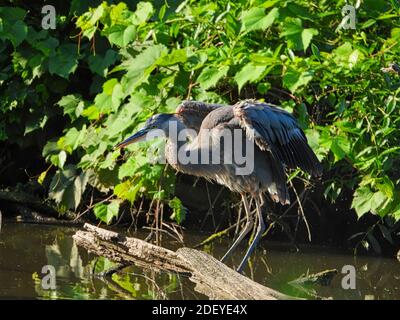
column 25, row 249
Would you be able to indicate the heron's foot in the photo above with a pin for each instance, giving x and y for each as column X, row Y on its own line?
column 225, row 256
column 241, row 266
column 244, row 232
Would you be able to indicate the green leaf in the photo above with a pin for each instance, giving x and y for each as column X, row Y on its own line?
column 91, row 113
column 64, row 61
column 121, row 35
column 249, row 73
column 298, row 37
column 306, row 37
column 144, row 11
column 362, row 201
column 294, row 79
column 100, row 211
column 176, row 56
column 72, row 139
column 367, row 201
column 34, row 122
column 79, row 187
column 315, row 51
column 127, row 191
column 18, row 33
column 378, row 202
column 41, row 177
column 99, row 64
column 12, row 13
column 340, row 147
column 47, row 46
column 106, row 212
column 368, row 23
column 129, row 35
column 130, row 167
column 396, row 212
column 111, row 97
column 51, row 148
column 102, row 264
column 139, row 67
column 346, row 56
column 178, row 210
column 256, row 19
column 67, row 187
column 12, row 26
column 210, row 76
column 89, row 20
column 72, row 105
column 269, row 3
column 162, row 11
column 62, row 157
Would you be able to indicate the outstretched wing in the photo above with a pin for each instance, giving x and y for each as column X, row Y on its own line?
column 277, row 131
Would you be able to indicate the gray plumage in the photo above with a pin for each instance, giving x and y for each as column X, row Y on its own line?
column 277, row 139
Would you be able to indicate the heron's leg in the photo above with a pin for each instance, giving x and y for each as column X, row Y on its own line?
column 246, row 229
column 260, row 230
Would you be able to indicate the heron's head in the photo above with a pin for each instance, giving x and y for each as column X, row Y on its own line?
column 152, row 126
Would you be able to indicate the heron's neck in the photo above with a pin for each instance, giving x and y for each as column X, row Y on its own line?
column 184, row 156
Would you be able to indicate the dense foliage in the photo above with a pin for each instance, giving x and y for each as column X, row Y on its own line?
column 94, row 79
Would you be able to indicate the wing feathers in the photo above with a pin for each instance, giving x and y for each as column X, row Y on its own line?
column 277, row 131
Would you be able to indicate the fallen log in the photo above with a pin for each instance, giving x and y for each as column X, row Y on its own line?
column 27, row 199
column 24, row 207
column 211, row 277
column 27, row 215
column 128, row 251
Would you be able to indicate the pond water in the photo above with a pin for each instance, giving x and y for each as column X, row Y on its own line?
column 26, row 248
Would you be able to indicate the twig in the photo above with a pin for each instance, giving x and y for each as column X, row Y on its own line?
column 175, row 230
column 238, row 219
column 384, row 50
column 91, row 206
column 134, row 219
column 302, row 211
column 152, row 230
column 217, row 235
column 210, row 211
column 287, row 93
column 156, row 286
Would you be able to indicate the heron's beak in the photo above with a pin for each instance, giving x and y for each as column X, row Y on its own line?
column 138, row 136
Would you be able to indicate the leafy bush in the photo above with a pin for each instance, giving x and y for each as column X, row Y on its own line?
column 139, row 62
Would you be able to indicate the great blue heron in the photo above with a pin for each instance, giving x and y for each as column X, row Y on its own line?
column 274, row 133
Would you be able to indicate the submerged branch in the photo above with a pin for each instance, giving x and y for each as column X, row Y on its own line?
column 30, row 209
